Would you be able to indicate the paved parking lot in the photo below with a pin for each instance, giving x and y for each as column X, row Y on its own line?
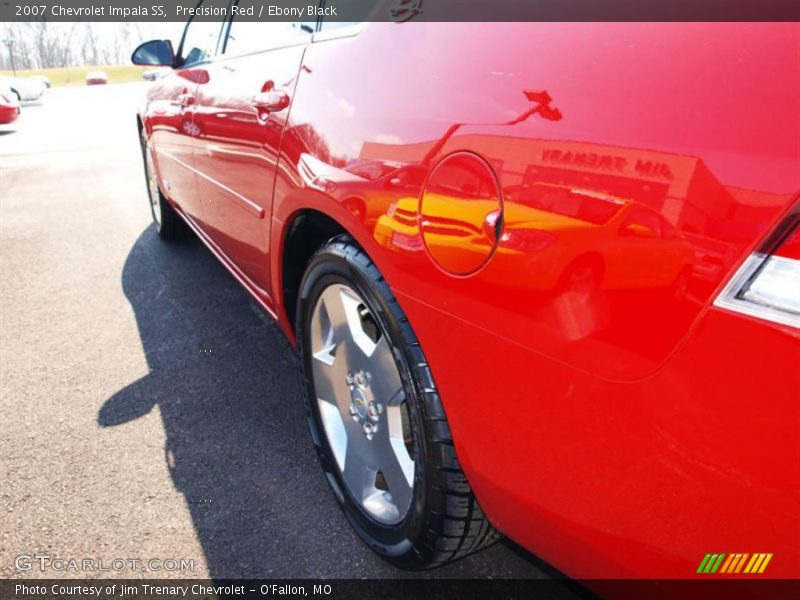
column 149, row 409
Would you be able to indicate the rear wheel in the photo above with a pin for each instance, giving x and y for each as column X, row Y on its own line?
column 582, row 277
column 376, row 417
column 168, row 223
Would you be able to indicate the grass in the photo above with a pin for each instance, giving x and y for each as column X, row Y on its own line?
column 77, row 75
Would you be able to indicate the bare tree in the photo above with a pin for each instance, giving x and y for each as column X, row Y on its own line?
column 90, row 53
column 42, row 45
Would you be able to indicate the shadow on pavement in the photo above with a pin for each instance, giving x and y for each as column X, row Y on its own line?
column 226, row 383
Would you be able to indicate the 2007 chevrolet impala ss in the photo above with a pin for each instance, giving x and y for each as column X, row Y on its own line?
column 544, row 278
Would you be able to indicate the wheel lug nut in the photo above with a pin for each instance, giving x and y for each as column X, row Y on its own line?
column 369, row 430
column 375, row 410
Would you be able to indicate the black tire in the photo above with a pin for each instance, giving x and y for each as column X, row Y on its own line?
column 169, row 225
column 444, row 521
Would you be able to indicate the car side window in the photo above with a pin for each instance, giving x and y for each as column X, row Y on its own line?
column 245, row 37
column 644, row 218
column 330, row 28
column 200, row 39
column 328, row 25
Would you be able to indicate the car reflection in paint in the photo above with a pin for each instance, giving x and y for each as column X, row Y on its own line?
column 610, row 240
column 366, row 188
column 576, row 242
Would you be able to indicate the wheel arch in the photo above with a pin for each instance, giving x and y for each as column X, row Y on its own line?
column 305, row 233
column 301, row 224
column 139, row 127
column 143, row 124
column 593, row 259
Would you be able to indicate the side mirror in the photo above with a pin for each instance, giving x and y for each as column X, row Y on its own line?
column 637, row 230
column 155, row 53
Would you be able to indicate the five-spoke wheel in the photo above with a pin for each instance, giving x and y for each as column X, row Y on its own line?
column 376, row 417
column 362, row 403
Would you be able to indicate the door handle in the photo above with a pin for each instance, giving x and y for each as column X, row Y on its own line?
column 272, row 101
column 185, row 99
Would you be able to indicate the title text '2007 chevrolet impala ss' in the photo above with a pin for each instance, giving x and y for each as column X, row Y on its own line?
column 544, row 278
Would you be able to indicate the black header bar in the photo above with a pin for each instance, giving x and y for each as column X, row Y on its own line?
column 400, row 10
column 394, row 589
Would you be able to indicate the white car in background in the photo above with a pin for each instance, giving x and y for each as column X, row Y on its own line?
column 25, row 89
column 43, row 79
column 154, row 74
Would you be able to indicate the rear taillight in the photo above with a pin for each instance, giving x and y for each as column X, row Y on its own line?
column 767, row 285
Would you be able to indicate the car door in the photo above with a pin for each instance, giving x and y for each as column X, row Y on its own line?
column 240, row 114
column 171, row 112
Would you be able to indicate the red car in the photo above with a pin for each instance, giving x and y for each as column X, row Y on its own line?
column 96, row 78
column 9, row 107
column 490, row 245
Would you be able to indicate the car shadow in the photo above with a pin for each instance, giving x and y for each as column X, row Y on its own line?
column 226, row 383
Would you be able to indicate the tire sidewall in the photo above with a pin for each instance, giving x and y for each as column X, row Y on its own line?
column 328, row 267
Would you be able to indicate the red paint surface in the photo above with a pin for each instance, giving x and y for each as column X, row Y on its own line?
column 9, row 112
column 9, row 107
column 607, row 417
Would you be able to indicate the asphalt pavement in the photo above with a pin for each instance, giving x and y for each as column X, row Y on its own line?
column 149, row 409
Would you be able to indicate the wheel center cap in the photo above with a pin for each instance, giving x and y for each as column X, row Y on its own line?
column 364, row 408
column 360, row 404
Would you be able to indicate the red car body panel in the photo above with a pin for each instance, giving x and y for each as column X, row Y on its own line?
column 237, row 146
column 8, row 113
column 608, row 417
column 9, row 110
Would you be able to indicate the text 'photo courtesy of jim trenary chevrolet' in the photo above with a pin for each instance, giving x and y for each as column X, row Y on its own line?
column 399, row 299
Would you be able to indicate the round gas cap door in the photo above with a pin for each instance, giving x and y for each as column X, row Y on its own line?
column 461, row 213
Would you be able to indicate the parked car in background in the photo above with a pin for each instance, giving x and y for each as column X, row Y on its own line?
column 9, row 106
column 43, row 79
column 153, row 74
column 493, row 276
column 96, row 78
column 25, row 89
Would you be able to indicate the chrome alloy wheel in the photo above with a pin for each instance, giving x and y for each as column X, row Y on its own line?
column 152, row 182
column 362, row 404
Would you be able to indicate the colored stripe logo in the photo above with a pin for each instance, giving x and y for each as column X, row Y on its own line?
column 735, row 562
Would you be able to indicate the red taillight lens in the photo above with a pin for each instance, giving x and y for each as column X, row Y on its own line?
column 767, row 285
